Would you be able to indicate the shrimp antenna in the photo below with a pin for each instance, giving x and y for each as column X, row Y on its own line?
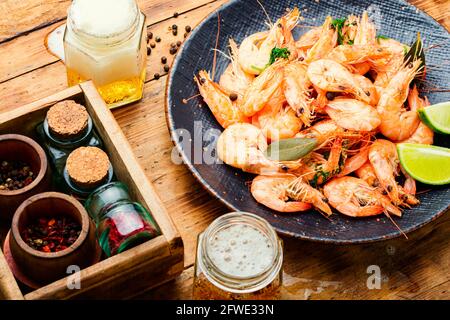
column 265, row 12
column 396, row 225
column 215, row 48
column 222, row 53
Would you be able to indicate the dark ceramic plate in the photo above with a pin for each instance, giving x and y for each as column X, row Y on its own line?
column 190, row 122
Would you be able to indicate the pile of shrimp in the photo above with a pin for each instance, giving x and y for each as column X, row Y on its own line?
column 348, row 89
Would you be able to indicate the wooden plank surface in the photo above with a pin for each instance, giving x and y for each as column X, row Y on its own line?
column 411, row 269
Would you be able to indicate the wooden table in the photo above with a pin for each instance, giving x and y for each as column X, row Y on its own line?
column 418, row 268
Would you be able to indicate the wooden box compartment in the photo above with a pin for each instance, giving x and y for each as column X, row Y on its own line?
column 128, row 273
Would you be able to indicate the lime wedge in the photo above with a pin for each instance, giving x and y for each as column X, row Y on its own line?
column 425, row 163
column 437, row 117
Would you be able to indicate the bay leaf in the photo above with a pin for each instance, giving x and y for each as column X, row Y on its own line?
column 416, row 52
column 290, row 149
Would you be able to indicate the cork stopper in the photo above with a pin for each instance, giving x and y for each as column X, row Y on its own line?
column 67, row 119
column 87, row 167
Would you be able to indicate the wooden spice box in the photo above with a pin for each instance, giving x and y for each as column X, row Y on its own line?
column 128, row 273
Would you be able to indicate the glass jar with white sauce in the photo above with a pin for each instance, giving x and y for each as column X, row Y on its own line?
column 239, row 256
column 105, row 41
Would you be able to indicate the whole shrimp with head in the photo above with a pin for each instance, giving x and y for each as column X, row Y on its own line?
column 242, row 146
column 355, row 198
column 331, row 76
column 225, row 110
column 235, row 79
column 397, row 122
column 255, row 50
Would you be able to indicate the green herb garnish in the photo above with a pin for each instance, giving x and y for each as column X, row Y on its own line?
column 351, row 42
column 279, row 53
column 380, row 36
column 337, row 25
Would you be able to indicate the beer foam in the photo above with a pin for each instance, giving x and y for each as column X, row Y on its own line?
column 241, row 250
column 103, row 18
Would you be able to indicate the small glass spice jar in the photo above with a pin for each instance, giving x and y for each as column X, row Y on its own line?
column 239, row 256
column 104, row 197
column 66, row 127
column 105, row 41
column 124, row 225
column 86, row 169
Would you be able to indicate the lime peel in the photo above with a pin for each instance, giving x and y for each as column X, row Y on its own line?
column 425, row 163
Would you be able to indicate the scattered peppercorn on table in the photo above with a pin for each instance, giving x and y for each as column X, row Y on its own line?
column 413, row 269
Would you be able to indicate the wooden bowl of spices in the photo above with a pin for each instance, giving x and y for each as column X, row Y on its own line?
column 24, row 172
column 50, row 232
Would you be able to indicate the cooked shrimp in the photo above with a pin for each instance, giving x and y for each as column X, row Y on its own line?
column 331, row 76
column 242, row 146
column 366, row 173
column 301, row 191
column 308, row 39
column 353, row 54
column 255, row 50
column 397, row 123
column 350, row 29
column 384, row 160
column 353, row 114
column 279, row 123
column 361, row 68
column 254, row 53
column 296, row 90
column 369, row 88
column 317, row 169
column 271, row 192
column 235, row 79
column 323, row 131
column 224, row 110
column 326, row 42
column 262, row 88
column 318, row 104
column 366, row 31
column 355, row 198
column 355, row 162
column 385, row 71
column 423, row 133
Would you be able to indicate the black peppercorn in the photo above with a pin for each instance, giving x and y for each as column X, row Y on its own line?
column 331, row 96
column 174, row 27
column 149, row 51
column 149, row 36
column 173, row 51
column 163, row 60
column 166, row 68
column 188, row 28
column 185, row 35
column 152, row 44
column 174, row 32
column 158, row 39
column 173, row 45
column 175, row 15
column 178, row 43
column 157, row 76
column 233, row 96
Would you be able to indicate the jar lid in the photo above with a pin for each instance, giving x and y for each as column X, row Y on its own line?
column 88, row 166
column 67, row 119
column 103, row 18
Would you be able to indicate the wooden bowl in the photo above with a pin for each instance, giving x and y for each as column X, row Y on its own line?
column 15, row 147
column 43, row 267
